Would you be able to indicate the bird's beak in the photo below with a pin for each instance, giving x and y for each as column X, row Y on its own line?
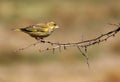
column 56, row 26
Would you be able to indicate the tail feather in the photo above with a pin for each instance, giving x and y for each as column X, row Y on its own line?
column 22, row 29
column 17, row 29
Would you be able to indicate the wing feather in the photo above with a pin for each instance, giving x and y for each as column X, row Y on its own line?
column 35, row 28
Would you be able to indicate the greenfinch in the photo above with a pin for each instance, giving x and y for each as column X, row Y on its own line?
column 40, row 30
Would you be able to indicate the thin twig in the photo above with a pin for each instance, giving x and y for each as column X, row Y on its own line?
column 85, row 55
column 21, row 49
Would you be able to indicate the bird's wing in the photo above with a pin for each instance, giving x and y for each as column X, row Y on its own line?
column 35, row 28
column 41, row 27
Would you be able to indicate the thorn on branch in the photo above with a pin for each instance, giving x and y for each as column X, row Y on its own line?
column 47, row 49
column 99, row 41
column 64, row 47
column 105, row 39
column 113, row 35
column 53, row 51
column 85, row 48
column 60, row 50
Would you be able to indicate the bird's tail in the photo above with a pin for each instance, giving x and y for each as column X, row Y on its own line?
column 16, row 29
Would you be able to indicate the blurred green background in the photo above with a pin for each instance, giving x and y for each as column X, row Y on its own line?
column 76, row 18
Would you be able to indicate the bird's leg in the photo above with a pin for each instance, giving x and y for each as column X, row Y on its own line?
column 37, row 38
column 40, row 39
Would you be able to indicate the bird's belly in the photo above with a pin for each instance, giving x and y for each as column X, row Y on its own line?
column 39, row 34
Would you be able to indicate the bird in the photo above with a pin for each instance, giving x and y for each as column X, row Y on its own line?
column 40, row 30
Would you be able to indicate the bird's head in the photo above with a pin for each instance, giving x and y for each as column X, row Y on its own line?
column 52, row 25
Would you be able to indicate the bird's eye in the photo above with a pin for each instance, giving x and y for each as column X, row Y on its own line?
column 54, row 24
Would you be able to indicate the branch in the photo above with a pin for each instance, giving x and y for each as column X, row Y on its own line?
column 81, row 44
column 84, row 43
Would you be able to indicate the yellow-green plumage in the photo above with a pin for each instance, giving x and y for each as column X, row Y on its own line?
column 39, row 31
